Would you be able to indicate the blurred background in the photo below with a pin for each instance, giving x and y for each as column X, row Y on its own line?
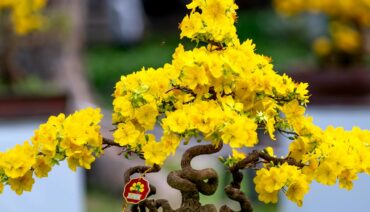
column 68, row 54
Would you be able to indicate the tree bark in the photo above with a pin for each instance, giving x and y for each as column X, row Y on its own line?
column 191, row 182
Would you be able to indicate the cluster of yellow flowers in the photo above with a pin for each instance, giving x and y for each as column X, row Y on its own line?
column 224, row 92
column 345, row 18
column 270, row 181
column 217, row 93
column 25, row 15
column 330, row 156
column 75, row 138
column 205, row 19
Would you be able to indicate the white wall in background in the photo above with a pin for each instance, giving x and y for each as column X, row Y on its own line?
column 62, row 191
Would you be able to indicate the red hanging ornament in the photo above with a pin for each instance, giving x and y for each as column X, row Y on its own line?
column 136, row 190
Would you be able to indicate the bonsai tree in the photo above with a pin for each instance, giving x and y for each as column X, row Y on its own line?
column 345, row 43
column 220, row 93
column 17, row 19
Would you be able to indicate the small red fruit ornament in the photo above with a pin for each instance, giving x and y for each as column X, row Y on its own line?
column 136, row 190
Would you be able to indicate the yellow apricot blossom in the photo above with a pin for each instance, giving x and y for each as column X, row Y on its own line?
column 25, row 15
column 270, row 180
column 241, row 133
column 76, row 138
column 177, row 121
column 23, row 183
column 127, row 134
column 18, row 161
column 42, row 166
column 297, row 190
column 204, row 25
column 45, row 138
column 170, row 142
column 238, row 155
column 147, row 116
column 154, row 152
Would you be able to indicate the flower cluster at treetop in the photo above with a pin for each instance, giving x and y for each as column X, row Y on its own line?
column 347, row 20
column 220, row 92
column 25, row 15
column 75, row 138
column 223, row 91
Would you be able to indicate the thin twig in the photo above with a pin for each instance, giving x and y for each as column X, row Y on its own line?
column 288, row 132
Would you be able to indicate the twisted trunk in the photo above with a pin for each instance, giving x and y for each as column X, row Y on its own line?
column 233, row 190
column 191, row 182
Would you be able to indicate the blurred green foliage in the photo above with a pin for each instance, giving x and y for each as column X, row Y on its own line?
column 31, row 85
column 275, row 37
column 98, row 201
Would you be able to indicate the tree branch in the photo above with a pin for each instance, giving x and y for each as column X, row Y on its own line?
column 288, row 132
column 233, row 190
column 289, row 160
column 109, row 142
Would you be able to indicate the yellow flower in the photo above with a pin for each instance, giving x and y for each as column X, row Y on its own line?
column 346, row 179
column 276, row 180
column 326, row 174
column 190, row 26
column 23, row 183
column 297, row 190
column 322, row 46
column 238, row 155
column 194, row 76
column 298, row 148
column 270, row 151
column 170, row 142
column 270, row 127
column 122, row 108
column 241, row 133
column 293, row 110
column 18, row 161
column 154, row 152
column 147, row 116
column 42, row 167
column 268, row 197
column 73, row 163
column 81, row 128
column 45, row 138
column 82, row 158
column 127, row 134
column 176, row 121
